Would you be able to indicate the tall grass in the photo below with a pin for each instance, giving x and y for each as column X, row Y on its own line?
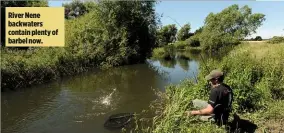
column 257, row 83
column 24, row 68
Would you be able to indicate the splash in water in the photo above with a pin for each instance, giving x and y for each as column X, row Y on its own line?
column 107, row 99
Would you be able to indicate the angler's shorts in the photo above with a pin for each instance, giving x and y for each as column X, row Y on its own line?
column 201, row 104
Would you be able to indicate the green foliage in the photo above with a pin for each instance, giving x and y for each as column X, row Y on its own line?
column 276, row 39
column 229, row 27
column 125, row 35
column 258, row 38
column 170, row 51
column 77, row 8
column 113, row 33
column 35, row 3
column 183, row 33
column 23, row 68
column 159, row 53
column 166, row 35
column 193, row 41
column 190, row 42
column 198, row 31
column 180, row 44
column 166, row 52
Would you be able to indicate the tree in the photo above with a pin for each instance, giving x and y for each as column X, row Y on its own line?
column 229, row 27
column 183, row 33
column 114, row 32
column 77, row 8
column 167, row 34
column 198, row 31
column 258, row 38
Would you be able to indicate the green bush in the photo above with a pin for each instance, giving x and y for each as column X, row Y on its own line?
column 166, row 52
column 158, row 53
column 276, row 39
column 180, row 44
column 170, row 51
column 193, row 41
column 258, row 38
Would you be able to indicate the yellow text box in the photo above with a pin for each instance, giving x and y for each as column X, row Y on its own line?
column 35, row 26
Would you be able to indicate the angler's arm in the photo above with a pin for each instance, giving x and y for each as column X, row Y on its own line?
column 206, row 111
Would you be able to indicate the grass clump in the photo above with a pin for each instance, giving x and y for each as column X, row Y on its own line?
column 166, row 52
column 180, row 44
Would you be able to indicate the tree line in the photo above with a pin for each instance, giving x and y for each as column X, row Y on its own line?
column 228, row 27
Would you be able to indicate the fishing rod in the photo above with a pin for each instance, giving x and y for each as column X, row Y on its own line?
column 181, row 27
column 174, row 20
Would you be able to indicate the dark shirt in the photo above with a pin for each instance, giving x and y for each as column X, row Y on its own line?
column 220, row 98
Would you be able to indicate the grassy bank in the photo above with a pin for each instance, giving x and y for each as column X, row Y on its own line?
column 24, row 68
column 256, row 74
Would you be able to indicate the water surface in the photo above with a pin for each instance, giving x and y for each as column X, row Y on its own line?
column 82, row 103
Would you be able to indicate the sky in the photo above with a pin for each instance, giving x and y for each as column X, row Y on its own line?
column 195, row 12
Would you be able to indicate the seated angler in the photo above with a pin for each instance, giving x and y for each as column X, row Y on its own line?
column 218, row 106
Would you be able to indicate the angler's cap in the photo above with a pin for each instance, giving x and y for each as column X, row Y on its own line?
column 214, row 74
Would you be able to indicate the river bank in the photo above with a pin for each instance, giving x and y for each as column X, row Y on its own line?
column 254, row 71
column 23, row 68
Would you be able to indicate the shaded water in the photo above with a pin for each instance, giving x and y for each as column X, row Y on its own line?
column 82, row 103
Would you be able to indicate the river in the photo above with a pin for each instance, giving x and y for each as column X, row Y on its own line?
column 83, row 102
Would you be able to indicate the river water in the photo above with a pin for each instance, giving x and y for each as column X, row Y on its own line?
column 82, row 103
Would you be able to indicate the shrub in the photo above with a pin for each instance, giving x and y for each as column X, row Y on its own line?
column 276, row 39
column 193, row 41
column 158, row 53
column 170, row 51
column 258, row 38
column 166, row 52
column 180, row 44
